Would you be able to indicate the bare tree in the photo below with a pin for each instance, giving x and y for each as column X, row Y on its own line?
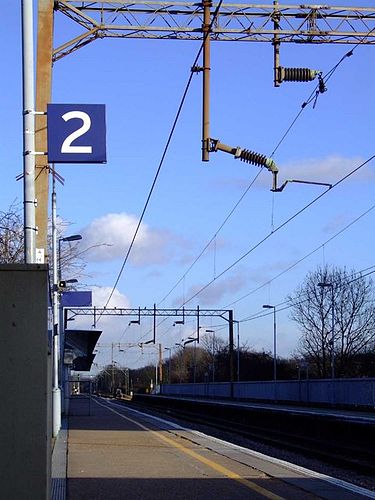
column 335, row 312
column 216, row 351
column 11, row 235
column 72, row 256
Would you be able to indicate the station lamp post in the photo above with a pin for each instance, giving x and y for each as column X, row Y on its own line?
column 238, row 349
column 73, row 237
column 189, row 340
column 330, row 285
column 268, row 306
column 56, row 390
column 59, row 367
column 213, row 353
column 169, row 363
column 57, row 319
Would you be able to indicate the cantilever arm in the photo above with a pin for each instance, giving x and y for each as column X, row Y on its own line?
column 280, row 188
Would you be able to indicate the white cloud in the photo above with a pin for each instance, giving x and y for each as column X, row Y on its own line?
column 329, row 169
column 110, row 237
column 100, row 296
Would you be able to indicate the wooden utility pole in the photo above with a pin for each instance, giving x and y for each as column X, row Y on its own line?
column 160, row 364
column 206, row 80
column 43, row 97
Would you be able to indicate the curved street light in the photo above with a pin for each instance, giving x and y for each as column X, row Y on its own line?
column 268, row 306
column 213, row 353
column 73, row 237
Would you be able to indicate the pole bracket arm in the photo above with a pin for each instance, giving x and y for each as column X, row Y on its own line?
column 196, row 69
column 33, row 112
column 283, row 185
column 35, row 153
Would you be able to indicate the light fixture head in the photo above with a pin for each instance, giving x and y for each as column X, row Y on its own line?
column 134, row 322
column 73, row 237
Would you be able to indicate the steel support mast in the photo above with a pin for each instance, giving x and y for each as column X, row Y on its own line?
column 43, row 97
column 28, row 131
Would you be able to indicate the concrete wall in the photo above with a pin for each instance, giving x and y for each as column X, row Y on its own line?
column 345, row 392
column 25, row 369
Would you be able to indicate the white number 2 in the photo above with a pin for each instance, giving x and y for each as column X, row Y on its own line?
column 67, row 144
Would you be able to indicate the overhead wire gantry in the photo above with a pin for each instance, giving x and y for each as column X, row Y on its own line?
column 239, row 22
column 96, row 313
column 206, row 22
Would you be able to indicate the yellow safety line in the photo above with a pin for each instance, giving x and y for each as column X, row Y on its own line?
column 213, row 465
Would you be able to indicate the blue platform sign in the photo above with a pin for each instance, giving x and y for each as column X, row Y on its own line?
column 76, row 299
column 76, row 133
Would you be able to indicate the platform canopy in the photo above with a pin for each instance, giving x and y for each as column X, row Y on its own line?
column 82, row 343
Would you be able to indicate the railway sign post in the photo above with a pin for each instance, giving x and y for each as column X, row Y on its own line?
column 76, row 133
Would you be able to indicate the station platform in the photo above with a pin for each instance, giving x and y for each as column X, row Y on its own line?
column 280, row 407
column 110, row 451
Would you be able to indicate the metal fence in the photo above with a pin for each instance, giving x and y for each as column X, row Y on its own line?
column 346, row 392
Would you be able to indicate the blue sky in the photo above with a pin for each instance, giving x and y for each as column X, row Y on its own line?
column 141, row 83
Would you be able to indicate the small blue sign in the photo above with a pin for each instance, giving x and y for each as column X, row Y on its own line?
column 76, row 299
column 76, row 133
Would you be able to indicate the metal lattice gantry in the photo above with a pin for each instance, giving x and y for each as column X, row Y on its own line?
column 205, row 21
column 234, row 22
column 95, row 313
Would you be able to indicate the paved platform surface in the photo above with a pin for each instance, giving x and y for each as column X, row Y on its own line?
column 115, row 452
column 59, row 456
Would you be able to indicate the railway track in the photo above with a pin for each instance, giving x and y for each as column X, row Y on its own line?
column 342, row 451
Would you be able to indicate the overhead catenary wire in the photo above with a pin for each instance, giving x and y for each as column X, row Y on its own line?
column 292, row 266
column 315, row 93
column 232, row 211
column 281, row 306
column 166, row 147
column 212, row 239
column 286, row 304
column 278, row 228
column 310, row 99
column 270, row 234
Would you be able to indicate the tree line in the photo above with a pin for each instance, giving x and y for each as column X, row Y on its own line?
column 334, row 310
